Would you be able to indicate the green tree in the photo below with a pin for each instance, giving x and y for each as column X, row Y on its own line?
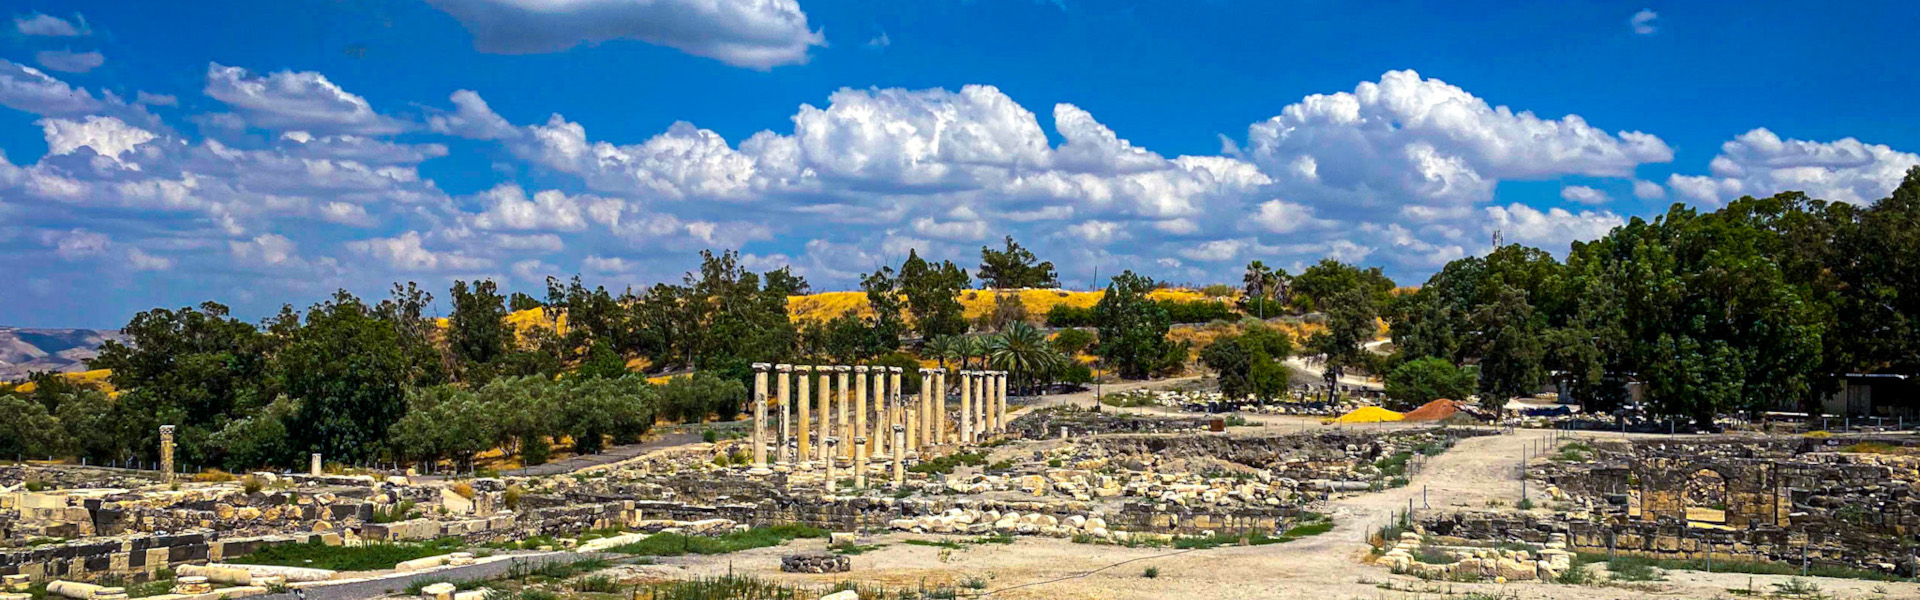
column 1351, row 323
column 1022, row 351
column 1511, row 362
column 1072, row 341
column 693, row 397
column 519, row 302
column 1247, row 364
column 347, row 369
column 932, row 292
column 1428, row 378
column 1132, row 328
column 197, row 366
column 1312, row 289
column 477, row 331
column 28, row 431
column 406, row 311
column 883, row 296
column 1015, row 267
column 93, row 430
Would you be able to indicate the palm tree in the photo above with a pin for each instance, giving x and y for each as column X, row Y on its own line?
column 970, row 347
column 1023, row 351
column 942, row 349
column 1259, row 283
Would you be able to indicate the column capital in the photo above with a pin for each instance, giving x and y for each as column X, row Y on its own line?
column 895, row 370
column 833, row 441
column 762, row 366
column 783, row 368
column 860, row 369
column 899, row 429
column 803, row 368
column 842, row 369
column 862, row 440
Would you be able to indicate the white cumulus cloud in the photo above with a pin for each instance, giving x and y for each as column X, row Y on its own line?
column 1760, row 163
column 759, row 34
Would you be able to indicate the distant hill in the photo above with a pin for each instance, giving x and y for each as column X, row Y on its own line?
column 24, row 351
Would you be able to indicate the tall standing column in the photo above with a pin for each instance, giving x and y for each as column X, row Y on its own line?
column 1002, row 393
column 826, row 414
column 860, row 412
column 980, row 406
column 803, row 380
column 883, row 414
column 900, row 402
column 992, row 412
column 940, row 405
column 166, row 451
column 928, row 419
column 783, row 398
column 841, row 427
column 760, row 416
column 923, row 402
column 966, row 407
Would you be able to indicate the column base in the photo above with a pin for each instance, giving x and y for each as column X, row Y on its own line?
column 759, row 471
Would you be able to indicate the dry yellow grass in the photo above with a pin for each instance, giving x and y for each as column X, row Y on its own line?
column 95, row 379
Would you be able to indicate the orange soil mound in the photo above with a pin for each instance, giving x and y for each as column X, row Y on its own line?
column 1433, row 411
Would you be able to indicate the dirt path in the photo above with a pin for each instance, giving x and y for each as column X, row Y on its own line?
column 1332, row 566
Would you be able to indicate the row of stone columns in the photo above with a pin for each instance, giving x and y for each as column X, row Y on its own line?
column 983, row 405
column 900, row 425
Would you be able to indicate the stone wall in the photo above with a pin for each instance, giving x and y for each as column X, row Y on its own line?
column 1677, row 540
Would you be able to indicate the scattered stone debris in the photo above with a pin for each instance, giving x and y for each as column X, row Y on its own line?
column 815, row 562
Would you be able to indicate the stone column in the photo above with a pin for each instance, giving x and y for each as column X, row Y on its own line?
column 966, row 407
column 860, row 412
column 313, row 466
column 929, row 420
column 841, row 426
column 803, row 378
column 1002, row 394
column 833, row 444
column 992, row 384
column 826, row 414
column 166, row 451
column 900, row 403
column 999, row 383
column 940, row 405
column 760, row 416
column 860, row 462
column 980, row 402
column 883, row 414
column 911, row 415
column 899, row 458
column 782, row 377
column 924, row 403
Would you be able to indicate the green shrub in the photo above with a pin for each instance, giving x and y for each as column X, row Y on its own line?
column 946, row 464
column 369, row 557
column 1150, row 572
column 674, row 544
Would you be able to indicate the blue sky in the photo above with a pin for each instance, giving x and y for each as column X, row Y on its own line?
column 261, row 153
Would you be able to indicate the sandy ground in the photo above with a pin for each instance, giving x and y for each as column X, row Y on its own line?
column 1331, row 566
